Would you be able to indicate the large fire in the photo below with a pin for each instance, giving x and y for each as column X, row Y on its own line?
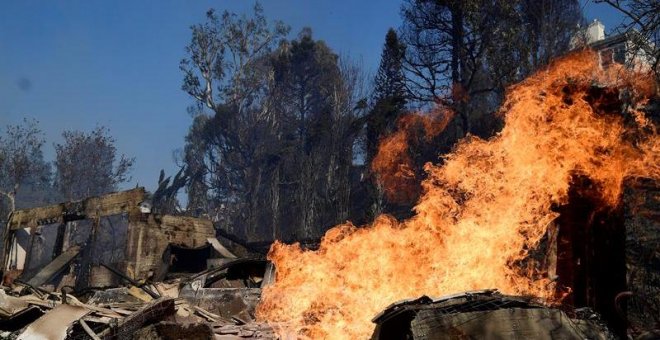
column 482, row 210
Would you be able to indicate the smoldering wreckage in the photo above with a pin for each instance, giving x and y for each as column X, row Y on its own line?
column 104, row 268
column 108, row 268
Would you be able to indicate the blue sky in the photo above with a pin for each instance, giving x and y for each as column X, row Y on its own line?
column 81, row 63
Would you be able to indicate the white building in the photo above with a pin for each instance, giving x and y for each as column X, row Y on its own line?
column 628, row 48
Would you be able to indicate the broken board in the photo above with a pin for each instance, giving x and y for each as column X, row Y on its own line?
column 54, row 267
column 54, row 324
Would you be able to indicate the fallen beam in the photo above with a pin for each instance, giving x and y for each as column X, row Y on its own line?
column 88, row 330
column 220, row 248
column 54, row 267
column 152, row 312
column 131, row 281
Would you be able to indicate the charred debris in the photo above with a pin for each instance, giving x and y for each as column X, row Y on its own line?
column 106, row 267
column 485, row 314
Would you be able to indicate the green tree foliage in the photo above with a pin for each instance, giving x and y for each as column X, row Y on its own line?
column 87, row 164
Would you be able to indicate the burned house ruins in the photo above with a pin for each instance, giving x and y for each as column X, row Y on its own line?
column 106, row 267
column 81, row 240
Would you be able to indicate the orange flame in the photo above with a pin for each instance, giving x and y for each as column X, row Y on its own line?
column 393, row 165
column 481, row 211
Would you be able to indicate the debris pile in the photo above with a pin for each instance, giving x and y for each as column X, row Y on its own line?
column 485, row 314
column 107, row 268
column 119, row 313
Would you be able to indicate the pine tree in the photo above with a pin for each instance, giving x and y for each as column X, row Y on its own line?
column 388, row 103
column 389, row 82
column 389, row 98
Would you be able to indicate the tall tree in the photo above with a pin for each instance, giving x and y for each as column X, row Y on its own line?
column 226, row 72
column 271, row 140
column 195, row 161
column 548, row 27
column 388, row 104
column 87, row 164
column 23, row 172
column 389, row 97
column 463, row 54
column 315, row 94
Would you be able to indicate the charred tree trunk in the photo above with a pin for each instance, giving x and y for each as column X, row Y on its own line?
column 458, row 67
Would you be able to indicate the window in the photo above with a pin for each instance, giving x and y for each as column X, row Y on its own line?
column 606, row 57
column 620, row 54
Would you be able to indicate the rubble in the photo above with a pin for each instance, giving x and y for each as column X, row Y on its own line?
column 54, row 324
column 102, row 268
column 116, row 314
column 482, row 314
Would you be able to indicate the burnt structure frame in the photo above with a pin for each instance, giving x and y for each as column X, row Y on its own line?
column 147, row 235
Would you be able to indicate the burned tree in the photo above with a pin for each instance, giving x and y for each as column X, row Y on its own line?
column 233, row 133
column 463, row 54
column 389, row 97
column 164, row 199
column 314, row 97
column 270, row 148
column 87, row 164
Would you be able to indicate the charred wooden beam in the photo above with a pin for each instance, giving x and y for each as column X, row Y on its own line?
column 111, row 204
column 131, row 281
column 54, row 267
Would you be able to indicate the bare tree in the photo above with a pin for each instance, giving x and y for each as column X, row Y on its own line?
column 463, row 54
column 164, row 199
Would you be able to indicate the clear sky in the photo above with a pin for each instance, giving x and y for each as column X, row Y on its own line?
column 76, row 64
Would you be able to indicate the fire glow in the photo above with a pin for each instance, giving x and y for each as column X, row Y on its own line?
column 481, row 211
